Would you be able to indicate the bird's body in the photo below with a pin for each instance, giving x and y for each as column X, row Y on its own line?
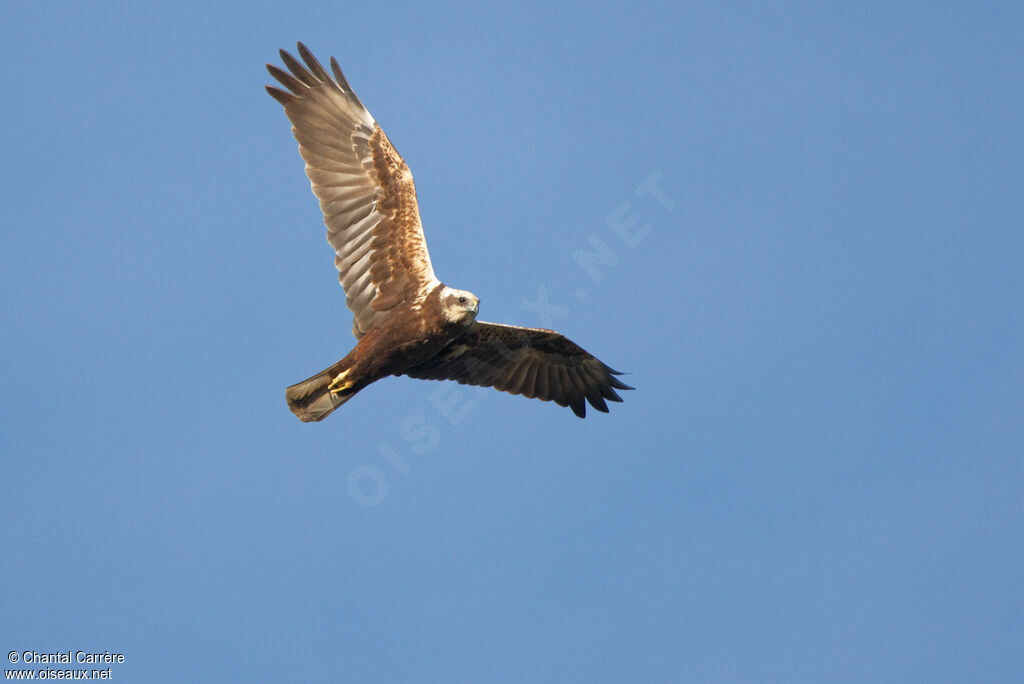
column 406, row 321
column 399, row 342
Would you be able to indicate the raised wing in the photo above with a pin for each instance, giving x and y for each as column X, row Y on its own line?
column 365, row 190
column 533, row 362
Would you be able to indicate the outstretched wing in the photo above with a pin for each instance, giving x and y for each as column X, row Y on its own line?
column 365, row 190
column 533, row 362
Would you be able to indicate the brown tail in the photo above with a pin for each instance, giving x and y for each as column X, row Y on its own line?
column 311, row 400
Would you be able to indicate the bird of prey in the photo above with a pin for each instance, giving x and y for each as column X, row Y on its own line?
column 407, row 322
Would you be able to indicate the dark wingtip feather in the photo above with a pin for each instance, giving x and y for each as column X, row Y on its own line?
column 296, row 67
column 287, row 80
column 279, row 95
column 609, row 394
column 596, row 400
column 314, row 64
column 615, row 382
column 339, row 75
column 579, row 407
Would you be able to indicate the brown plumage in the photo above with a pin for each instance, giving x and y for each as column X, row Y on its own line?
column 405, row 320
column 536, row 363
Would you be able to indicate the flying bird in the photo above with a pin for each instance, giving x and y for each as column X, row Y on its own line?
column 407, row 322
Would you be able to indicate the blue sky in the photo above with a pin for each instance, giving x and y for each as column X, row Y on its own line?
column 818, row 478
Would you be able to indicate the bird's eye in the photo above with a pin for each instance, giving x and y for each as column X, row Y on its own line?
column 462, row 300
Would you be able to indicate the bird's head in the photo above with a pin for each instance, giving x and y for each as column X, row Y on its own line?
column 459, row 306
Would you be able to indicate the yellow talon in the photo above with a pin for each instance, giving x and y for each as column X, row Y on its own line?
column 339, row 384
